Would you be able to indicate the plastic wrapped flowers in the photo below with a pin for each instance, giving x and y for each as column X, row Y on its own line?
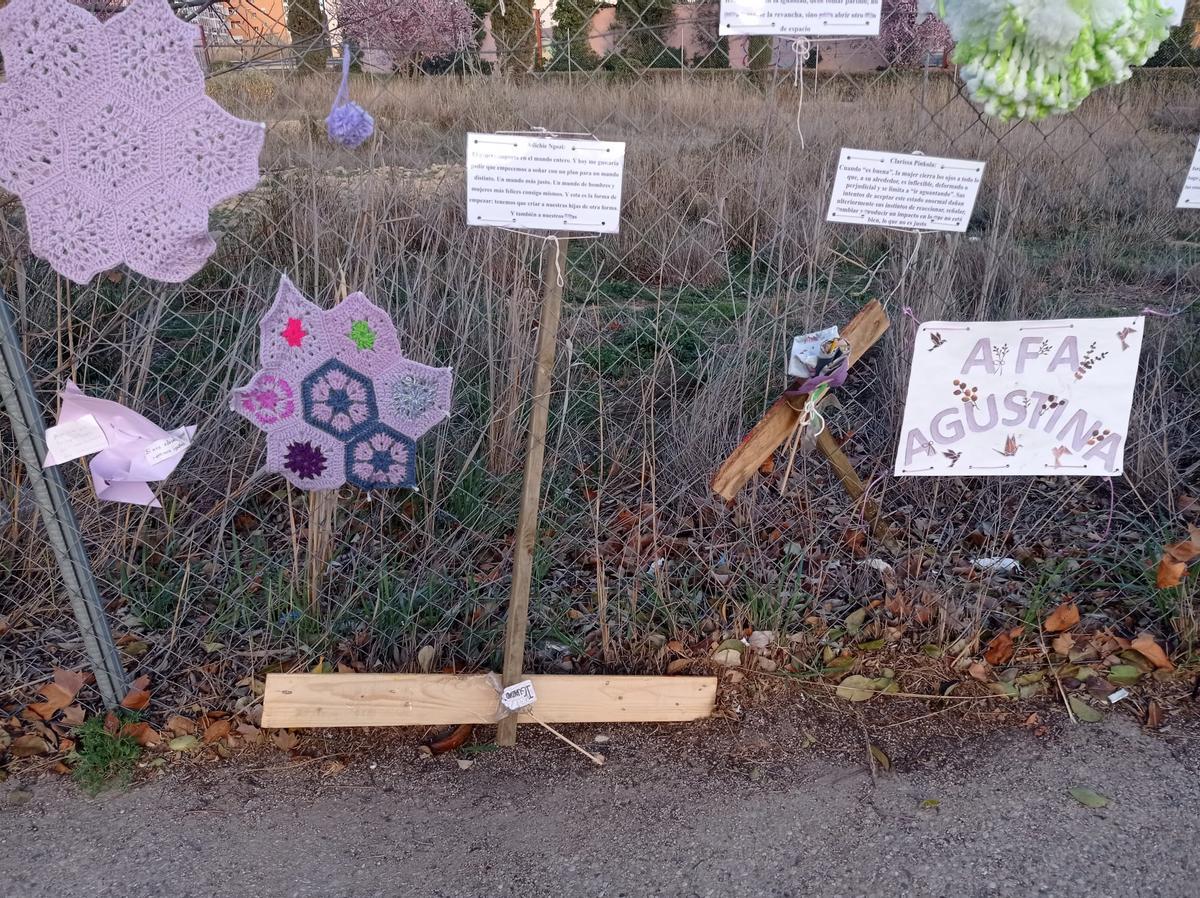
column 1033, row 58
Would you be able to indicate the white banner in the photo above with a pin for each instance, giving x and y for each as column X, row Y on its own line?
column 801, row 17
column 1013, row 398
column 544, row 183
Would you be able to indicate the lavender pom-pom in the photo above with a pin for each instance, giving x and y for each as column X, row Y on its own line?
column 350, row 125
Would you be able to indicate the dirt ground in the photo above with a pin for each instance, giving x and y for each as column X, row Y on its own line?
column 781, row 803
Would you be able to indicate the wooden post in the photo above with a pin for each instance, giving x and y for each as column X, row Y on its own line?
column 554, row 266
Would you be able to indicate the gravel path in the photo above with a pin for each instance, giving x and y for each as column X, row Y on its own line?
column 724, row 814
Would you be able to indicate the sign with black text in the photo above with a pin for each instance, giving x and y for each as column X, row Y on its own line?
column 899, row 190
column 544, row 183
column 811, row 18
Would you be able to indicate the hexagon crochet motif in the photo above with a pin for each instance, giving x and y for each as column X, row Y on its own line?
column 110, row 141
column 336, row 397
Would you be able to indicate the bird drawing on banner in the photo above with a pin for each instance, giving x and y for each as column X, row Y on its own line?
column 1058, row 452
column 1010, row 447
column 938, row 340
column 1122, row 334
column 953, row 456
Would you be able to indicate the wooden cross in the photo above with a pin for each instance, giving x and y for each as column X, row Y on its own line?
column 781, row 420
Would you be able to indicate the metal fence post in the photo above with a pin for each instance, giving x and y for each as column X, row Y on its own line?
column 62, row 529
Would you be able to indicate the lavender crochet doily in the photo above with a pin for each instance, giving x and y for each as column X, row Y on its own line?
column 110, row 141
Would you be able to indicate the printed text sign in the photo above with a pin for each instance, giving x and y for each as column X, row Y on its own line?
column 896, row 190
column 1190, row 198
column 544, row 183
column 800, row 17
column 1020, row 398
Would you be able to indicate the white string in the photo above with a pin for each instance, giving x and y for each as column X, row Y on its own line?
column 801, row 47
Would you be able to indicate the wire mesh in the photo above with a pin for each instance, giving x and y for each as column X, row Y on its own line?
column 674, row 341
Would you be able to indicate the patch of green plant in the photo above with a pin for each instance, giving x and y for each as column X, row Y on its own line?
column 104, row 760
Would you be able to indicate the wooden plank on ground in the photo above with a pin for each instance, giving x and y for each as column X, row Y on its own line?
column 355, row 700
column 863, row 332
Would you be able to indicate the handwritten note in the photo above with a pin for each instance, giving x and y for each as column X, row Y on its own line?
column 518, row 696
column 800, row 17
column 896, row 190
column 1190, row 198
column 169, row 447
column 75, row 439
column 544, row 183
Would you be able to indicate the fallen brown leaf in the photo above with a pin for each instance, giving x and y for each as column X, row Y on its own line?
column 216, row 731
column 457, row 738
column 1146, row 645
column 1063, row 644
column 286, row 739
column 1170, row 573
column 138, row 696
column 142, row 734
column 58, row 694
column 29, row 746
column 1154, row 715
column 1062, row 618
column 979, row 671
column 1000, row 650
column 181, row 726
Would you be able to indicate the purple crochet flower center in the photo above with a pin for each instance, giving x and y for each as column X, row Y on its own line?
column 305, row 460
column 109, row 138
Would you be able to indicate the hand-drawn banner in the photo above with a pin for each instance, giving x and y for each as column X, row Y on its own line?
column 1015, row 398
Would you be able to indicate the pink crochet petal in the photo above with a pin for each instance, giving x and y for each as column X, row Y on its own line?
column 163, row 238
column 54, row 44
column 104, row 115
column 304, row 347
column 114, row 149
column 71, row 230
column 154, row 56
column 214, row 154
column 32, row 138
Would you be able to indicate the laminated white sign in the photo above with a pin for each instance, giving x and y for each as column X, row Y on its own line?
column 1190, row 198
column 898, row 190
column 1012, row 398
column 544, row 183
column 801, row 17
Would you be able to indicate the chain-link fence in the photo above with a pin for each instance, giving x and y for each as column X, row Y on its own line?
column 674, row 341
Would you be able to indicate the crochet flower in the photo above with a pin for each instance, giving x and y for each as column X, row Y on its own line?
column 337, row 398
column 110, row 141
column 1033, row 58
column 268, row 400
column 380, row 459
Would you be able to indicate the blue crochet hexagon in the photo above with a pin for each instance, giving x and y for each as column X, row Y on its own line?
column 381, row 458
column 339, row 400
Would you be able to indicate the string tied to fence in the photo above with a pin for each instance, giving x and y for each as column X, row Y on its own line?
column 801, row 47
column 348, row 123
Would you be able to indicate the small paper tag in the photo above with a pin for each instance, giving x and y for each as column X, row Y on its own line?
column 75, row 439
column 518, row 696
column 168, row 447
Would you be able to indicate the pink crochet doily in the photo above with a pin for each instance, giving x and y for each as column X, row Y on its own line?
column 110, row 141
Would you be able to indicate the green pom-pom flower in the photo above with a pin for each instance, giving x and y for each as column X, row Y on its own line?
column 1034, row 58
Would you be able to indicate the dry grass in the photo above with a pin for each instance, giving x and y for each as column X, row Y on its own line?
column 674, row 340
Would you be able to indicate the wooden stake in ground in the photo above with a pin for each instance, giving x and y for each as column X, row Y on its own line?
column 554, row 266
